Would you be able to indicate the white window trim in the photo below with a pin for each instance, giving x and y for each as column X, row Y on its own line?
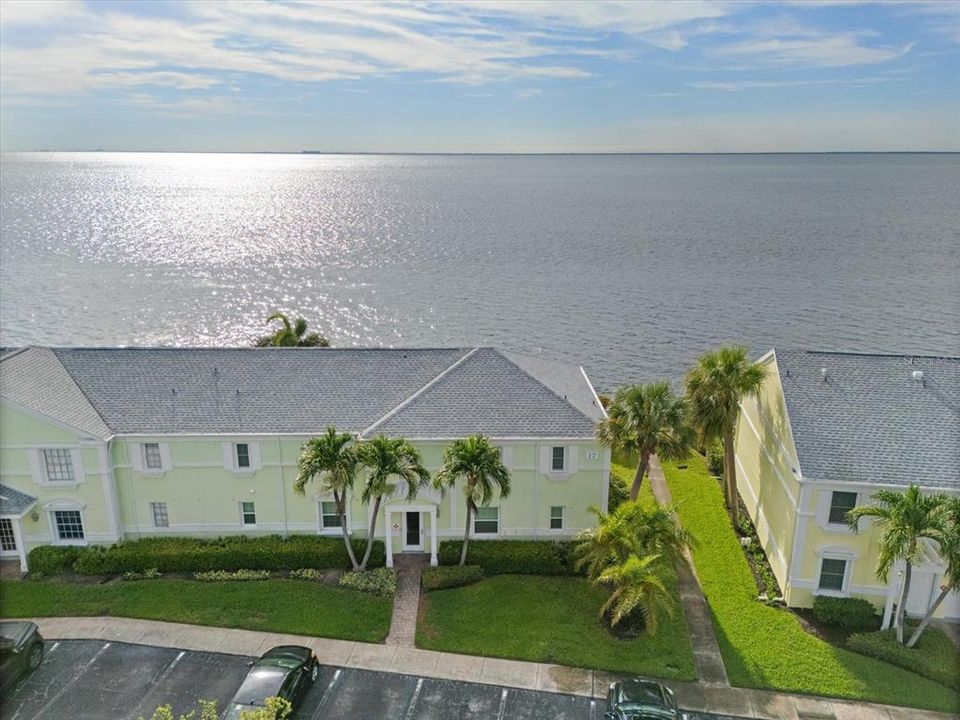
column 545, row 461
column 52, row 507
column 473, row 527
column 835, row 553
column 566, row 459
column 139, row 458
column 822, row 513
column 230, row 457
column 320, row 526
column 153, row 514
column 243, row 523
column 563, row 517
column 38, row 467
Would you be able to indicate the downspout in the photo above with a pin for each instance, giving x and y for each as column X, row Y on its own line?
column 133, row 487
column 283, row 490
column 536, row 485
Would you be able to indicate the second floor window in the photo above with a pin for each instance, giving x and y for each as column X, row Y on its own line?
column 59, row 465
column 151, row 456
column 840, row 504
column 558, row 458
column 243, row 455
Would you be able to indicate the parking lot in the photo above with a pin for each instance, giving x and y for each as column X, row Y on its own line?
column 97, row 680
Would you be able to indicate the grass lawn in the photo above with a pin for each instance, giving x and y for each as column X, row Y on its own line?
column 549, row 619
column 764, row 647
column 288, row 606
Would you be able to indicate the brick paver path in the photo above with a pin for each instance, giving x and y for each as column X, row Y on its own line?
column 703, row 637
column 403, row 624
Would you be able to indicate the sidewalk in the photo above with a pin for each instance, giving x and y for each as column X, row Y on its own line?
column 448, row 666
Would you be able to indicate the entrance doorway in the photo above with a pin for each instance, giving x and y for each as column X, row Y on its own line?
column 413, row 531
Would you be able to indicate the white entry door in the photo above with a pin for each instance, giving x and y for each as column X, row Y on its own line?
column 412, row 531
column 921, row 593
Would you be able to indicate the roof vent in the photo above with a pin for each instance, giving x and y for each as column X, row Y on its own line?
column 917, row 375
column 823, row 374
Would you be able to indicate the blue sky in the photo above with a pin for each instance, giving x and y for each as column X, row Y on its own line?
column 521, row 76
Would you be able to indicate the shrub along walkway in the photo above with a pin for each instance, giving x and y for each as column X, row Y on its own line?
column 740, row 702
column 703, row 636
column 406, row 601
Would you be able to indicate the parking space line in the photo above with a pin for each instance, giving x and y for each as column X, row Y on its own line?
column 329, row 691
column 53, row 647
column 503, row 704
column 593, row 710
column 413, row 700
column 169, row 668
column 69, row 685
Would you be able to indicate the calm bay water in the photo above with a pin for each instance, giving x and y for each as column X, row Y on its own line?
column 630, row 265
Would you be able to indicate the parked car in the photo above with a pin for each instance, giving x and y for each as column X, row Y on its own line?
column 21, row 650
column 641, row 700
column 286, row 671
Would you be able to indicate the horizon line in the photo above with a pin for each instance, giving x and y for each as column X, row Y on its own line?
column 519, row 153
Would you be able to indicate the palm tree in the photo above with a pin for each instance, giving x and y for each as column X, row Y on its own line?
column 647, row 420
column 904, row 518
column 388, row 461
column 479, row 465
column 331, row 459
column 631, row 529
column 949, row 547
column 294, row 335
column 637, row 586
column 715, row 386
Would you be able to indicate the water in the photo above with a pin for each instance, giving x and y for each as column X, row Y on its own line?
column 630, row 265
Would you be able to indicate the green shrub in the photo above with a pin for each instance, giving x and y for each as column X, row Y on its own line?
column 715, row 458
column 450, row 576
column 148, row 574
column 52, row 560
column 518, row 557
column 848, row 613
column 306, row 574
column 235, row 575
column 619, row 492
column 181, row 554
column 934, row 655
column 381, row 581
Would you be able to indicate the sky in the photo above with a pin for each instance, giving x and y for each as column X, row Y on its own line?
column 480, row 76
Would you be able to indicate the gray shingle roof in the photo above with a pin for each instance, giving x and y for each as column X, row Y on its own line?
column 36, row 379
column 13, row 502
column 490, row 394
column 291, row 390
column 871, row 421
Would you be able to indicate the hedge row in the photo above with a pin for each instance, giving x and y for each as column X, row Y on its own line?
column 935, row 656
column 178, row 554
column 450, row 576
column 515, row 557
column 845, row 612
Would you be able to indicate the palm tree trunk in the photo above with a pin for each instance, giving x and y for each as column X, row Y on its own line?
column 642, row 465
column 902, row 606
column 730, row 477
column 929, row 616
column 373, row 525
column 466, row 539
column 340, row 500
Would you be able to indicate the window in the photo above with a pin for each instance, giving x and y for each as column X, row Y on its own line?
column 59, row 465
column 840, row 504
column 487, row 520
column 558, row 460
column 160, row 517
column 243, row 455
column 832, row 572
column 69, row 524
column 249, row 513
column 8, row 541
column 329, row 517
column 556, row 517
column 151, row 456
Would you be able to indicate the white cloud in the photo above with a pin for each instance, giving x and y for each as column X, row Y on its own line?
column 816, row 51
column 39, row 12
column 739, row 85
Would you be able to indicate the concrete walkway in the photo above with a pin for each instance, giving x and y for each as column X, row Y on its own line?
column 703, row 636
column 448, row 666
column 406, row 601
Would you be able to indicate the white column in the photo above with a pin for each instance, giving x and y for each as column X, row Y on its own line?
column 892, row 592
column 388, row 537
column 18, row 539
column 433, row 537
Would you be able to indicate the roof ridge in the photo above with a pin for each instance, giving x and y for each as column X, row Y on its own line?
column 13, row 353
column 857, row 353
column 86, row 397
column 400, row 406
column 184, row 348
column 547, row 387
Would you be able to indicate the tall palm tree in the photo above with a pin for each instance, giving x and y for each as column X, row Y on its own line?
column 478, row 463
column 291, row 335
column 631, row 529
column 637, row 586
column 949, row 547
column 904, row 519
column 647, row 420
column 389, row 462
column 715, row 386
column 331, row 459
